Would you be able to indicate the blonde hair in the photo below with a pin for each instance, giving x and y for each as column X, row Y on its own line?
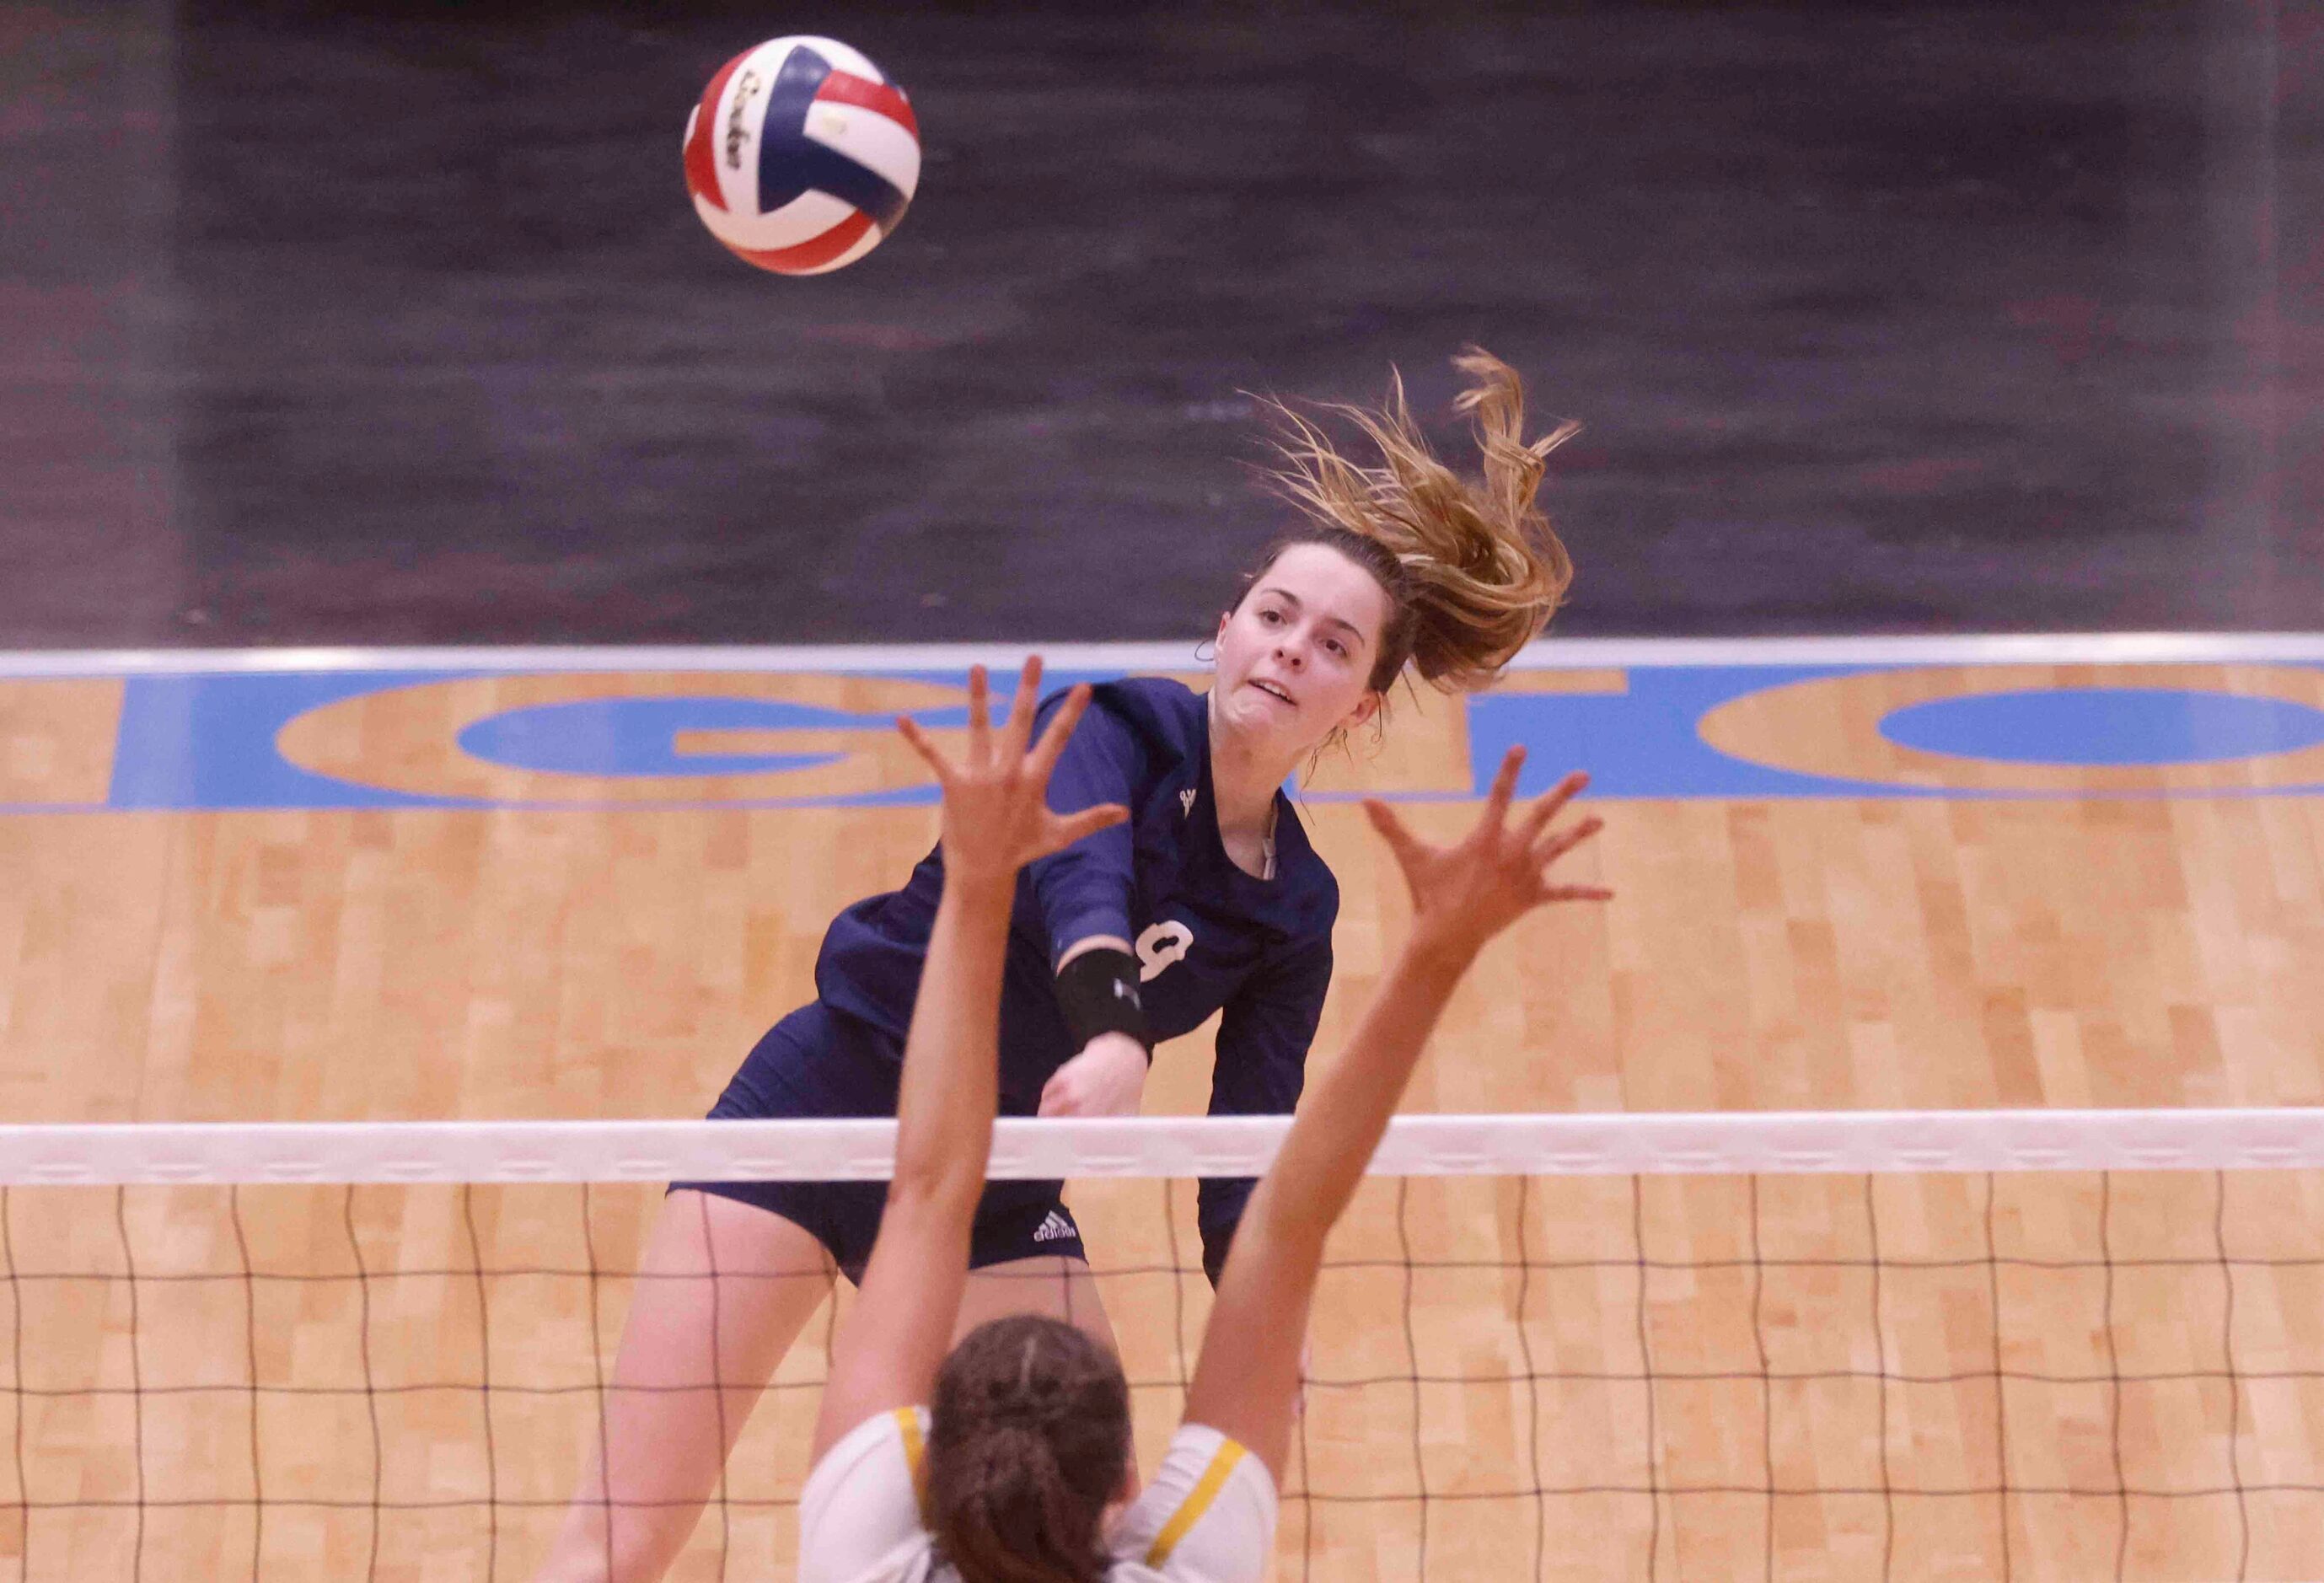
column 1473, row 568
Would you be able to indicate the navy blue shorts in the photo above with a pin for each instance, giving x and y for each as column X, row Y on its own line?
column 821, row 1062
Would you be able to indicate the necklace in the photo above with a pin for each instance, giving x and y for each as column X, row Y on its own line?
column 1267, row 840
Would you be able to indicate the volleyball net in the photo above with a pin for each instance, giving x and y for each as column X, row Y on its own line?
column 2021, row 1345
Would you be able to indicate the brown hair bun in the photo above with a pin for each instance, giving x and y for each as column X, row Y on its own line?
column 1029, row 1439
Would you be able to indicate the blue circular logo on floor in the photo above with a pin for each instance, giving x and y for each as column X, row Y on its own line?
column 2093, row 726
column 639, row 736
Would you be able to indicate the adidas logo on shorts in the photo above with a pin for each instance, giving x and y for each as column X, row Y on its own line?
column 1053, row 1227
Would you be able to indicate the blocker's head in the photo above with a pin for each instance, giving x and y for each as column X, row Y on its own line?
column 1029, row 1443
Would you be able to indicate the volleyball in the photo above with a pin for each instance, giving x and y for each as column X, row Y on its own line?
column 801, row 156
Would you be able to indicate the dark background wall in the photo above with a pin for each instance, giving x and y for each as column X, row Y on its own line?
column 393, row 323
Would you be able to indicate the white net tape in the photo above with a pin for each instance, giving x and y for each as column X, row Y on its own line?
column 1853, row 1142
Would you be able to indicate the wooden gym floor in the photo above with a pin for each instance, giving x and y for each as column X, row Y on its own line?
column 446, row 886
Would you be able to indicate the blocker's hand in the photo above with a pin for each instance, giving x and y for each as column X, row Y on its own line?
column 1465, row 894
column 996, row 813
column 1107, row 1078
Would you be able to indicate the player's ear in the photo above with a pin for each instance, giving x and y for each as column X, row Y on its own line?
column 1366, row 708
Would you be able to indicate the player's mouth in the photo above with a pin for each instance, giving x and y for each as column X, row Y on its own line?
column 1273, row 691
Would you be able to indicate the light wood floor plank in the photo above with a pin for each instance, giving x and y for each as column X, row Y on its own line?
column 1822, row 954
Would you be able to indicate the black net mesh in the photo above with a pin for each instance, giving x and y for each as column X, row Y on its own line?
column 2025, row 1376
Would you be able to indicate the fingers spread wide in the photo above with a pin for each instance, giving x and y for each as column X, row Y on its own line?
column 1070, row 827
column 1060, row 728
column 1505, row 786
column 1400, row 841
column 1020, row 729
column 1550, row 807
column 918, row 741
column 980, row 715
column 1549, row 848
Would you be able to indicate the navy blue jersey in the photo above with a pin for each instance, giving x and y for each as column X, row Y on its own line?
column 1209, row 938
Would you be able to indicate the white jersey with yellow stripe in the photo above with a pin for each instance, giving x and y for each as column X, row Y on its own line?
column 1208, row 1516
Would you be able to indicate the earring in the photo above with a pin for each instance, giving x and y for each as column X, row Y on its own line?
column 1203, row 658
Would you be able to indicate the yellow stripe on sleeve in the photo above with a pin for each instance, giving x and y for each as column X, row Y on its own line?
column 908, row 1424
column 1206, row 1490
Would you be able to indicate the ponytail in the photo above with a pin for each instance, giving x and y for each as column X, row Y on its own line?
column 1474, row 569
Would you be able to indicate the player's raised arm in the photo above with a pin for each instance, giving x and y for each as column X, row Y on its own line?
column 1463, row 894
column 996, row 820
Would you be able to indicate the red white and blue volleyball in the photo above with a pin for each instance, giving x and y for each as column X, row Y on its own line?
column 802, row 156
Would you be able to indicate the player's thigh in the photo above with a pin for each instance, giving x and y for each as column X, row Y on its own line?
column 722, row 1289
column 717, row 1271
column 1062, row 1288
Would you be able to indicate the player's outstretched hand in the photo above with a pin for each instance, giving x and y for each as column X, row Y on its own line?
column 1465, row 894
column 996, row 812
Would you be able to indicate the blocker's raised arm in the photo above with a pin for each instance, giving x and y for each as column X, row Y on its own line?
column 996, row 820
column 1463, row 894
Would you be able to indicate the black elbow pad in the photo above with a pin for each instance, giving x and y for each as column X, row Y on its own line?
column 1098, row 993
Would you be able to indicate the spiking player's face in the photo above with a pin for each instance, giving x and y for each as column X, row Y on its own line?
column 1295, row 656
